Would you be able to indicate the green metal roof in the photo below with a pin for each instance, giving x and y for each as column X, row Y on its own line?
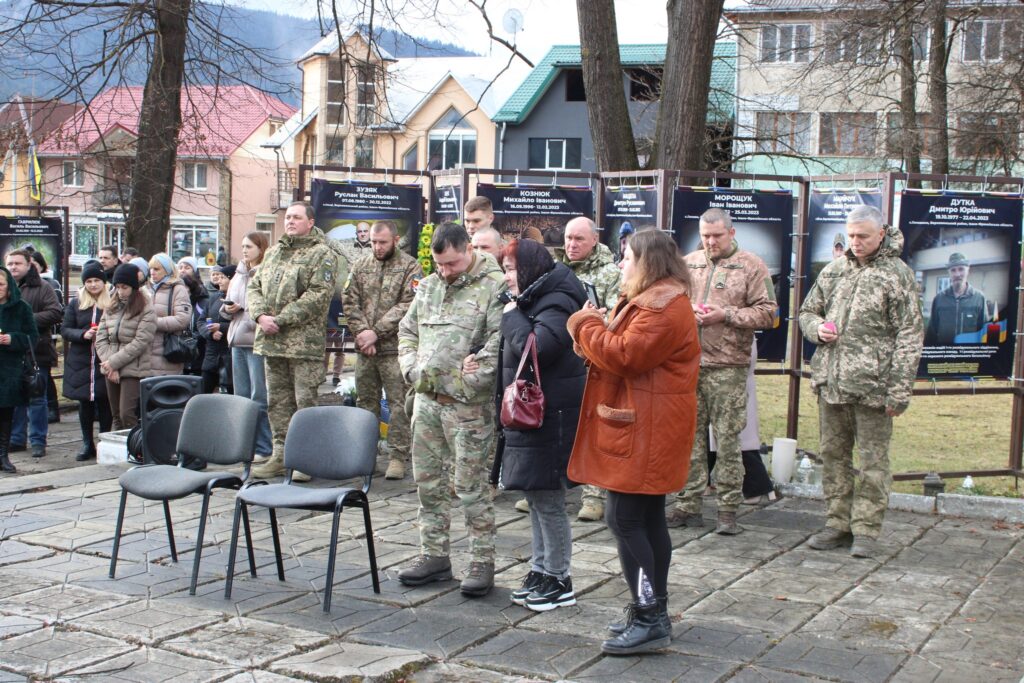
column 720, row 102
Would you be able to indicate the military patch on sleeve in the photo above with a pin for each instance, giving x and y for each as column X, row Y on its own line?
column 415, row 283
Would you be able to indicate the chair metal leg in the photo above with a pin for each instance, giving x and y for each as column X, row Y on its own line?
column 369, row 546
column 170, row 531
column 199, row 543
column 248, row 541
column 329, row 581
column 277, row 544
column 231, row 549
column 117, row 532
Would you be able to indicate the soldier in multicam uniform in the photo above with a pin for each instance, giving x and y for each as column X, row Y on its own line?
column 864, row 314
column 594, row 263
column 448, row 349
column 733, row 295
column 288, row 300
column 379, row 292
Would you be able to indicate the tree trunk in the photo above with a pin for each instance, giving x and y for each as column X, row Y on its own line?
column 149, row 213
column 909, row 138
column 610, row 127
column 938, row 91
column 681, row 135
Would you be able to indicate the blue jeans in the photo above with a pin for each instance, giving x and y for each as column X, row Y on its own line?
column 552, row 534
column 250, row 379
column 35, row 417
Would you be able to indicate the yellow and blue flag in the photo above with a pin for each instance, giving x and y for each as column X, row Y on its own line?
column 35, row 175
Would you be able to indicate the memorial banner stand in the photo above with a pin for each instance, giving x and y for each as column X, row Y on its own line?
column 38, row 220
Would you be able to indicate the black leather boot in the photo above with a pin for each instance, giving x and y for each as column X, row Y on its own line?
column 88, row 450
column 647, row 633
column 5, row 441
column 617, row 627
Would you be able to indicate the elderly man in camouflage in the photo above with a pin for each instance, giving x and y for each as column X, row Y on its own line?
column 288, row 300
column 592, row 262
column 380, row 289
column 864, row 314
column 447, row 348
column 732, row 296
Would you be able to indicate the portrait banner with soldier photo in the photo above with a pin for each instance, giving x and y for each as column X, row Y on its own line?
column 43, row 234
column 545, row 207
column 446, row 204
column 341, row 206
column 763, row 221
column 963, row 248
column 624, row 210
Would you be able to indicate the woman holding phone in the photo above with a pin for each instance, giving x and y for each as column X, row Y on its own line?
column 637, row 423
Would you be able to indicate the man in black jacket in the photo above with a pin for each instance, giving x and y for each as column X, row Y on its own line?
column 48, row 312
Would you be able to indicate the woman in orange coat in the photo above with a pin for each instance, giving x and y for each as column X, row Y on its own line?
column 637, row 423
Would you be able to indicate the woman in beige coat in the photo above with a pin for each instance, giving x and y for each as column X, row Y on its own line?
column 172, row 308
column 123, row 340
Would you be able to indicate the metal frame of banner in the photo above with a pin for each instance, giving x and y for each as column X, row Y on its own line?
column 42, row 209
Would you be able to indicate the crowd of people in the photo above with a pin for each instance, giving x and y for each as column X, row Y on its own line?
column 645, row 367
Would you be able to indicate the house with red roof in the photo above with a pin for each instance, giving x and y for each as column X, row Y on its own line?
column 24, row 122
column 226, row 183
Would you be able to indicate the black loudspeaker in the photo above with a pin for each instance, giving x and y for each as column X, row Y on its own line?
column 163, row 402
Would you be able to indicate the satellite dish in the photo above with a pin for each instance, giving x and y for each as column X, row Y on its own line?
column 512, row 22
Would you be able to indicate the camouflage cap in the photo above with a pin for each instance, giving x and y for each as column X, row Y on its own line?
column 957, row 259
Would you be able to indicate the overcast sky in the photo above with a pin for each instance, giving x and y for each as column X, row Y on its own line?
column 545, row 22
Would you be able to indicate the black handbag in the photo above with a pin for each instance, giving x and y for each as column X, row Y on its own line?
column 33, row 379
column 184, row 346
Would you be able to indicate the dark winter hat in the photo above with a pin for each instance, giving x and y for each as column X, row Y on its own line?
column 92, row 269
column 957, row 259
column 226, row 271
column 127, row 274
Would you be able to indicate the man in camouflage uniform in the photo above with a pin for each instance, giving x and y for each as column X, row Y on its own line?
column 732, row 295
column 594, row 263
column 448, row 348
column 288, row 299
column 379, row 292
column 863, row 313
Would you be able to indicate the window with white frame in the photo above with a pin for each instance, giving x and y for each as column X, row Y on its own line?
column 194, row 176
column 410, row 160
column 366, row 95
column 451, row 142
column 197, row 241
column 335, row 109
column 785, row 43
column 74, row 173
column 783, row 132
column 266, row 225
column 991, row 40
column 556, row 154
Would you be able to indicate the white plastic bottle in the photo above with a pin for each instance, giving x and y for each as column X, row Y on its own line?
column 805, row 472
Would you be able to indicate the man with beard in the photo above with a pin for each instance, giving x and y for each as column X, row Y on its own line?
column 959, row 308
column 381, row 287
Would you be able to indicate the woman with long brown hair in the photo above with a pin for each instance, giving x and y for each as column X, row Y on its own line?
column 248, row 372
column 637, row 423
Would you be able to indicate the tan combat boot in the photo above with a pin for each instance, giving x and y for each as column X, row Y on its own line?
column 269, row 468
column 396, row 470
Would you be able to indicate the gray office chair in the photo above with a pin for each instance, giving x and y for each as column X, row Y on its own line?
column 331, row 442
column 220, row 429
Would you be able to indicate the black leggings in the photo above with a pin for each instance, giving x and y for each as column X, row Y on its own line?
column 645, row 549
column 88, row 411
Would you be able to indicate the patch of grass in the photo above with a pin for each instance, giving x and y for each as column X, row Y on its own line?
column 937, row 433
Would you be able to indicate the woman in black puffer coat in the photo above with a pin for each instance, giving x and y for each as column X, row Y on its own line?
column 83, row 381
column 534, row 461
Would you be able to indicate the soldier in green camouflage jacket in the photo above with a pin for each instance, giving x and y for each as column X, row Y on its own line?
column 864, row 314
column 448, row 348
column 377, row 296
column 288, row 300
column 593, row 263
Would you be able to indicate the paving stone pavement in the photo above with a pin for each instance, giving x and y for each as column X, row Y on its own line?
column 941, row 603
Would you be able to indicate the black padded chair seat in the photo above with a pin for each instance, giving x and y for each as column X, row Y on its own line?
column 167, row 482
column 286, row 496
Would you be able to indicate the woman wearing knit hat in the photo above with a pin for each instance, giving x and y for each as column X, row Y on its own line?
column 172, row 308
column 123, row 343
column 188, row 266
column 83, row 381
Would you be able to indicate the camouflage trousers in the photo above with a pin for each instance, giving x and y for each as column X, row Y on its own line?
column 722, row 404
column 372, row 373
column 856, row 499
column 592, row 494
column 451, row 448
column 291, row 385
